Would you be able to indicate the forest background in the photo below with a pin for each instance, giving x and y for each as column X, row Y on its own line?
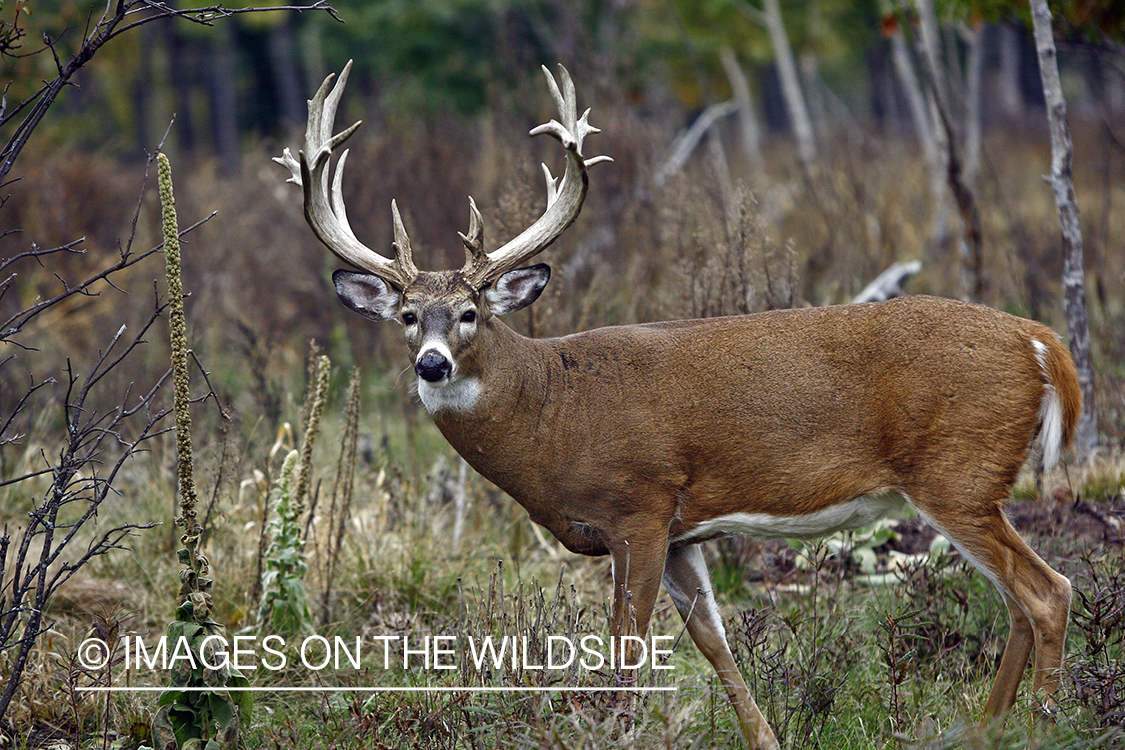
column 841, row 157
column 766, row 154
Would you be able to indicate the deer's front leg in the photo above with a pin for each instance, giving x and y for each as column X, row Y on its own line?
column 688, row 583
column 638, row 564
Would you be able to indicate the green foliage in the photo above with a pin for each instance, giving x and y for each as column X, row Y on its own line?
column 284, row 608
column 1097, row 22
column 858, row 547
column 208, row 719
column 683, row 38
column 436, row 54
column 191, row 719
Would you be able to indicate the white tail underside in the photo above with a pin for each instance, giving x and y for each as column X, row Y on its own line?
column 1051, row 432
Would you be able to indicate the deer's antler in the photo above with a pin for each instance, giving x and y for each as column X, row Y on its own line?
column 324, row 202
column 564, row 195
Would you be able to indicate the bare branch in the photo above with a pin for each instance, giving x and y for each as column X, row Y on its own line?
column 4, row 437
column 109, row 26
column 15, row 323
column 37, row 252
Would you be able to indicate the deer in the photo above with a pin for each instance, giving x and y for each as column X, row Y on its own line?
column 641, row 442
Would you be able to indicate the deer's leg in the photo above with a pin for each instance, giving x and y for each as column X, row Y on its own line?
column 638, row 564
column 1038, row 600
column 687, row 581
column 1021, row 638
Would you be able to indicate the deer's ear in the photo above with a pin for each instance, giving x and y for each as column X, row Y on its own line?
column 367, row 294
column 517, row 289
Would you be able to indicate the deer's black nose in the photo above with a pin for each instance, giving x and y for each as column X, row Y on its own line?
column 433, row 366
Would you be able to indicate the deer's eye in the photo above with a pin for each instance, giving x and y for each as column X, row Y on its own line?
column 468, row 316
column 409, row 318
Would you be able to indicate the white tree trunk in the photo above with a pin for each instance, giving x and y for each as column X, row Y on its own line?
column 974, row 74
column 1062, row 184
column 927, row 130
column 915, row 99
column 930, row 47
column 685, row 142
column 790, row 83
column 751, row 134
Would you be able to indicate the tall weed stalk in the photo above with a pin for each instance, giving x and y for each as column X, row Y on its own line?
column 284, row 608
column 189, row 717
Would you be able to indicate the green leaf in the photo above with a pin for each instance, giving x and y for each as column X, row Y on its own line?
column 163, row 734
column 243, row 699
column 168, row 697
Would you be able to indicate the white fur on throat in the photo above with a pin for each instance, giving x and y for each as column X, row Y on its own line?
column 456, row 395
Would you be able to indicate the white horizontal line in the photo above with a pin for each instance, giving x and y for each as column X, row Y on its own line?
column 379, row 689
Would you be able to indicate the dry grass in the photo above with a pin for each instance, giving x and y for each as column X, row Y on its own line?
column 259, row 292
column 815, row 654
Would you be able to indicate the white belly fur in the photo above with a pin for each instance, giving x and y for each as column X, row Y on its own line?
column 854, row 514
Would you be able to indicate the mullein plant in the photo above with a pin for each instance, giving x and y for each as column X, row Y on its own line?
column 342, row 492
column 284, row 609
column 197, row 711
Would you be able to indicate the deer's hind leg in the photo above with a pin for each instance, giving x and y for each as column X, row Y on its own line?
column 1038, row 598
column 687, row 581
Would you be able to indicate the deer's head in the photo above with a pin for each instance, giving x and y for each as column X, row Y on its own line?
column 443, row 313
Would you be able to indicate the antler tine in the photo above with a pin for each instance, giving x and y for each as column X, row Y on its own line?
column 474, row 241
column 323, row 191
column 565, row 194
column 403, row 254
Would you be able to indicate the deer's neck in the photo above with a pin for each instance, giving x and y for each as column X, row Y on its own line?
column 495, row 419
column 488, row 408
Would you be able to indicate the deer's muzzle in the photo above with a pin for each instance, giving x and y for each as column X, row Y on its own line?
column 433, row 366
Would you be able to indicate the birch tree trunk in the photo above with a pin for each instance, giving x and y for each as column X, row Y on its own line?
column 974, row 74
column 929, row 49
column 791, row 84
column 969, row 240
column 747, row 116
column 770, row 17
column 915, row 100
column 920, row 115
column 1062, row 185
column 928, row 131
column 685, row 142
column 927, row 43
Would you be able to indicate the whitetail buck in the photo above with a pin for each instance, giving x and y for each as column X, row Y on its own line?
column 643, row 441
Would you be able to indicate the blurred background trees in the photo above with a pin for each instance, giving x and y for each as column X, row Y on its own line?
column 807, row 142
column 249, row 78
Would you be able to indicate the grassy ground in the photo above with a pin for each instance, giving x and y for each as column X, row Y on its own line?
column 836, row 658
